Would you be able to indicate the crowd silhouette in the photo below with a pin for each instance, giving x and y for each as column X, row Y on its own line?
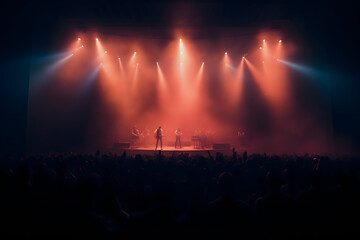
column 257, row 196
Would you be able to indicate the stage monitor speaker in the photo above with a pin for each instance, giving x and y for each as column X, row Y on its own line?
column 121, row 145
column 222, row 146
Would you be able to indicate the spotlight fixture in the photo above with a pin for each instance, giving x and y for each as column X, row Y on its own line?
column 97, row 39
column 79, row 39
column 280, row 41
column 225, row 53
column 105, row 52
column 264, row 40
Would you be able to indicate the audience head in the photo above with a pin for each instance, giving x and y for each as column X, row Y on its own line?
column 226, row 183
column 273, row 181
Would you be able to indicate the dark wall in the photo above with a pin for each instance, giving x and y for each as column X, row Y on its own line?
column 14, row 77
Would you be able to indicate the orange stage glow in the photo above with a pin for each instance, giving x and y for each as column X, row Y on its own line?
column 74, row 46
column 278, row 51
column 237, row 89
column 258, row 77
column 162, row 81
column 122, row 71
column 226, row 59
column 99, row 49
column 231, row 91
column 135, row 76
column 132, row 62
column 199, row 77
column 265, row 51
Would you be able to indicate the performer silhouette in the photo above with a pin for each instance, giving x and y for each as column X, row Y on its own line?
column 158, row 135
column 135, row 135
column 178, row 134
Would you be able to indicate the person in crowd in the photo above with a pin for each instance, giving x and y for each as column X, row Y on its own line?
column 243, row 195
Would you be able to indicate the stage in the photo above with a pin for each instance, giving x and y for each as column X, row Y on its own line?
column 168, row 151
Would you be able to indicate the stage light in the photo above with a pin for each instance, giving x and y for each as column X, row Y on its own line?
column 202, row 63
column 135, row 53
column 301, row 68
column 225, row 53
column 180, row 40
column 97, row 39
column 260, row 48
column 105, row 52
column 263, row 61
column 60, row 60
column 82, row 45
column 137, row 64
column 119, row 58
column 280, row 41
column 92, row 77
column 231, row 67
column 264, row 40
column 243, row 57
column 157, row 63
column 79, row 39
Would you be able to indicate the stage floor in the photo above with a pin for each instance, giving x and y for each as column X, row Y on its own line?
column 167, row 150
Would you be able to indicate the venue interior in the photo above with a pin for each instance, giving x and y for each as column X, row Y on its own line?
column 179, row 117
